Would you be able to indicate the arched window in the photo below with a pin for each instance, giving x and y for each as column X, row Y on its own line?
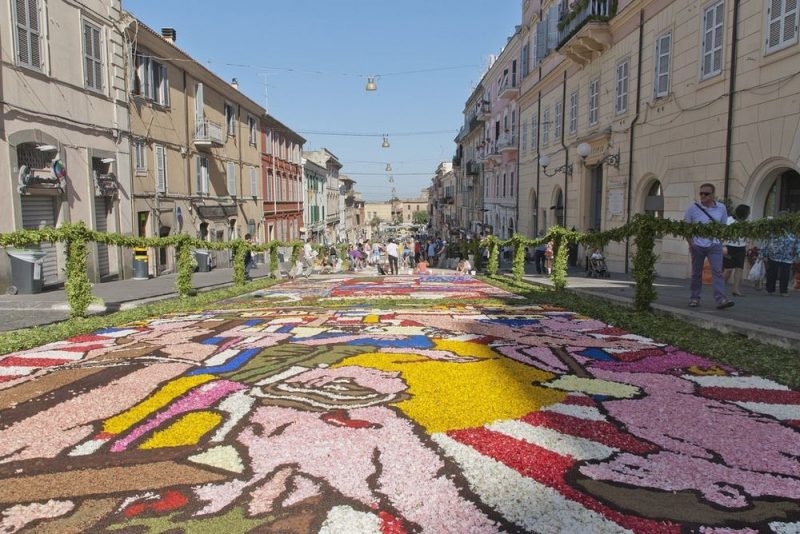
column 558, row 208
column 654, row 201
column 784, row 194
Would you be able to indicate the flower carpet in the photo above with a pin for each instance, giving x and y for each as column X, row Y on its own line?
column 464, row 416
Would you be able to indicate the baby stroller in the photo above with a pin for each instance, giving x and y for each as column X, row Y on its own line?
column 597, row 266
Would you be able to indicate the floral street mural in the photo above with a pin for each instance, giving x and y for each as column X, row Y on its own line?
column 462, row 417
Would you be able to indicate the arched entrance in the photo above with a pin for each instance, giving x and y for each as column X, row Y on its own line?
column 784, row 193
column 654, row 200
column 558, row 207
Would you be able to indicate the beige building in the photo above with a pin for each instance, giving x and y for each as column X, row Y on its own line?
column 333, row 208
column 468, row 165
column 407, row 208
column 441, row 201
column 63, row 127
column 196, row 147
column 633, row 104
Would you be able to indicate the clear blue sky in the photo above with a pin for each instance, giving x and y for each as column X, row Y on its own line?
column 317, row 54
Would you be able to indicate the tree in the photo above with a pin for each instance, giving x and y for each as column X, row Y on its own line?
column 376, row 221
column 420, row 217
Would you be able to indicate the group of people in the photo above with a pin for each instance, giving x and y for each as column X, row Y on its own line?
column 771, row 260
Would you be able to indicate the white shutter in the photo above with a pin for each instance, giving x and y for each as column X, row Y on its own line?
column 662, row 61
column 253, row 181
column 201, row 185
column 163, row 97
column 781, row 24
column 552, row 27
column 558, row 118
column 573, row 112
column 541, row 40
column 535, row 132
column 198, row 103
column 26, row 13
column 622, row 87
column 711, row 59
column 231, row 178
column 93, row 63
column 161, row 169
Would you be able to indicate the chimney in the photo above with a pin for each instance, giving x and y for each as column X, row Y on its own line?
column 235, row 83
column 169, row 34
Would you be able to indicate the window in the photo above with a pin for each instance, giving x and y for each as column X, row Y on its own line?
column 150, row 79
column 535, row 132
column 504, row 184
column 622, row 88
column 230, row 119
column 140, row 156
column 161, row 168
column 253, row 181
column 573, row 113
column 781, row 24
column 92, row 57
column 663, row 52
column 594, row 101
column 711, row 59
column 28, row 34
column 559, row 116
column 202, row 175
column 524, row 136
column 546, row 127
column 252, row 129
column 524, row 56
column 511, row 185
column 231, row 175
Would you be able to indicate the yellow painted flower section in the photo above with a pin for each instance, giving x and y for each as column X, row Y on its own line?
column 174, row 389
column 185, row 431
column 369, row 319
column 449, row 395
column 465, row 348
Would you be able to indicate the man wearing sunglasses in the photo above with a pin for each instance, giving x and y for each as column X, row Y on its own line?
column 707, row 211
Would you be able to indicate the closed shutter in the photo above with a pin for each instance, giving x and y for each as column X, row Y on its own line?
column 781, row 24
column 552, row 27
column 161, row 169
column 202, row 175
column 38, row 212
column 663, row 53
column 101, row 225
column 93, row 64
column 28, row 33
column 253, row 181
column 231, row 178
column 541, row 40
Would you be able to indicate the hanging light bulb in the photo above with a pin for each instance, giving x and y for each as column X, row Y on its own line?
column 391, row 179
column 371, row 85
column 388, row 167
column 385, row 142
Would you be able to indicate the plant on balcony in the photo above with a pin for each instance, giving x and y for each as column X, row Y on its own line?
column 576, row 7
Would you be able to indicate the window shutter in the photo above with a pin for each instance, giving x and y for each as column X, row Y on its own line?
column 524, row 60
column 98, row 63
column 28, row 34
column 231, row 178
column 663, row 51
column 774, row 20
column 164, row 97
column 789, row 21
column 253, row 182
column 198, row 160
column 198, row 103
column 541, row 40
column 161, row 170
column 552, row 27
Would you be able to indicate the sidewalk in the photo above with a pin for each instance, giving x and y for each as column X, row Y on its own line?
column 757, row 315
column 25, row 311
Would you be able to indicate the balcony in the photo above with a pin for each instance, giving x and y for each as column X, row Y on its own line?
column 485, row 111
column 584, row 34
column 509, row 89
column 456, row 162
column 473, row 168
column 507, row 143
column 208, row 134
column 474, row 123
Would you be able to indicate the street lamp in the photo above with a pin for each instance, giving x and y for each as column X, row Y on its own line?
column 584, row 149
column 544, row 161
column 385, row 143
column 371, row 84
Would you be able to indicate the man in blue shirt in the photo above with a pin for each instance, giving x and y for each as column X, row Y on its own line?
column 707, row 211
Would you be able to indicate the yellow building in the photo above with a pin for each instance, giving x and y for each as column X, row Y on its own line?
column 196, row 153
column 632, row 104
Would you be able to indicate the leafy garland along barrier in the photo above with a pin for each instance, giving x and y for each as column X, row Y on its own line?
column 76, row 236
column 644, row 229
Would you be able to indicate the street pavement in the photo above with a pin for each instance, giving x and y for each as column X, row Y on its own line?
column 317, row 406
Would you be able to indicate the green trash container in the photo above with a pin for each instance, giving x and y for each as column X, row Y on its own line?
column 140, row 264
column 27, row 272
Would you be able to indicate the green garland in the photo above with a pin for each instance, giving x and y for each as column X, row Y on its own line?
column 239, row 249
column 186, row 265
column 77, row 287
column 644, row 265
column 518, row 267
column 273, row 260
column 561, row 240
column 492, row 243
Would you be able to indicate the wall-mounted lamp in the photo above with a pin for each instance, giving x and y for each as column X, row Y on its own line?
column 584, row 149
column 385, row 143
column 544, row 161
column 46, row 148
column 371, row 84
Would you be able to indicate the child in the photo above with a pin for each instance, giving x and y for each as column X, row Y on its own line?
column 548, row 257
column 422, row 267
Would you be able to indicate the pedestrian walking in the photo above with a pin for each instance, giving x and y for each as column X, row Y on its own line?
column 707, row 211
column 780, row 252
column 249, row 260
column 393, row 254
column 734, row 251
column 309, row 254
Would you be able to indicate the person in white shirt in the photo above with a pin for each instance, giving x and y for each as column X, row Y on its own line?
column 308, row 257
column 391, row 251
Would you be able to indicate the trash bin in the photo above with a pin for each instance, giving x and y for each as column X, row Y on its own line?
column 27, row 274
column 203, row 257
column 140, row 264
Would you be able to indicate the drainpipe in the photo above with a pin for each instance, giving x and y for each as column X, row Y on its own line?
column 563, row 145
column 731, row 94
column 538, row 167
column 632, row 137
column 519, row 135
column 188, row 142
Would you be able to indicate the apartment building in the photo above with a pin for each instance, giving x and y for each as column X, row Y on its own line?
column 334, row 200
column 353, row 214
column 468, row 166
column 63, row 127
column 282, row 170
column 441, row 201
column 627, row 106
column 500, row 149
column 196, row 155
column 314, row 179
column 408, row 208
